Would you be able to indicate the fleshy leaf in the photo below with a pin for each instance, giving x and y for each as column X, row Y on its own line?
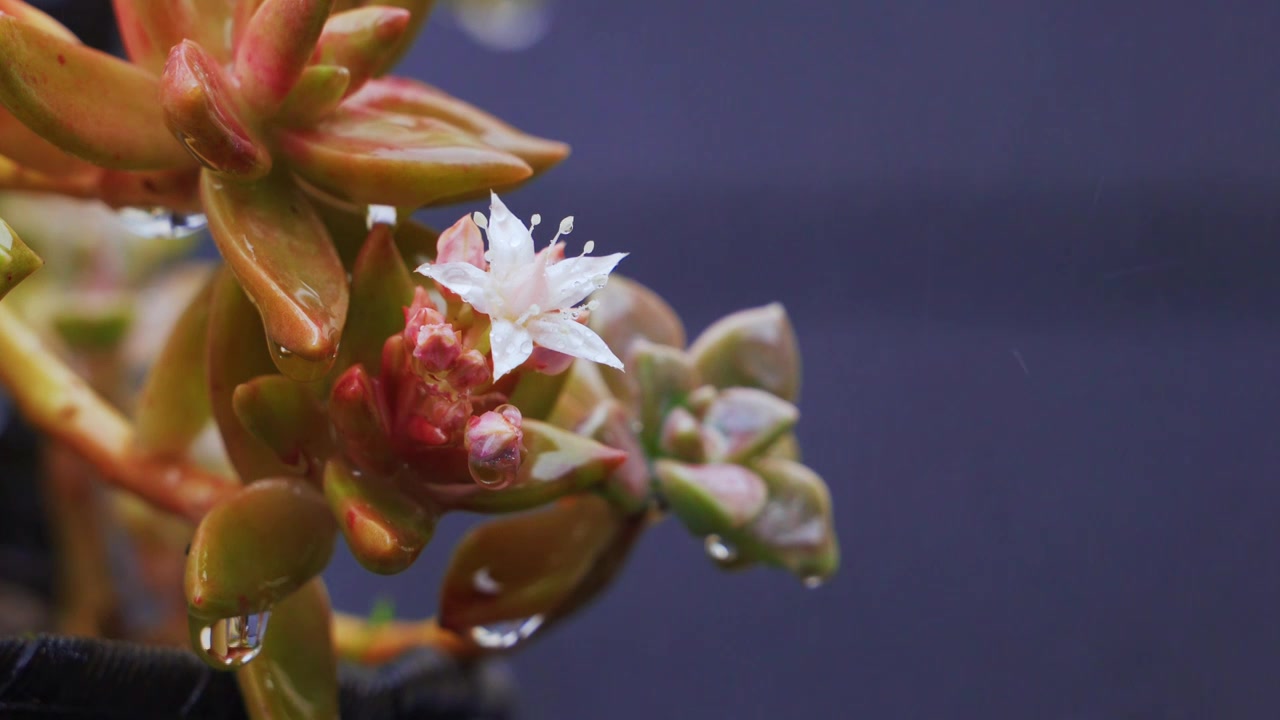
column 150, row 28
column 558, row 463
column 523, row 572
column 627, row 487
column 317, row 93
column 418, row 12
column 400, row 160
column 795, row 528
column 56, row 88
column 280, row 251
column 744, row 422
column 663, row 376
column 385, row 529
column 411, row 97
column 274, row 48
column 751, row 348
column 628, row 311
column 360, row 421
column 25, row 147
column 361, row 40
column 174, row 404
column 580, row 396
column 202, row 113
column 236, row 356
column 537, row 393
column 711, row 499
column 296, row 673
column 37, row 18
column 17, row 261
column 380, row 290
column 284, row 415
column 257, row 547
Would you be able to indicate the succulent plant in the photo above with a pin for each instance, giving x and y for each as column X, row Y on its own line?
column 353, row 396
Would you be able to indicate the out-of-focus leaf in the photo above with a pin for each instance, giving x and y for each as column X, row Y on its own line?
column 150, row 28
column 385, row 528
column 56, row 87
column 751, row 348
column 627, row 487
column 411, row 97
column 399, row 160
column 662, row 376
column 418, row 12
column 795, row 526
column 237, row 355
column 280, row 251
column 257, row 547
column 37, row 18
column 628, row 311
column 25, row 147
column 715, row 498
column 202, row 113
column 274, row 47
column 17, row 261
column 745, row 422
column 295, row 676
column 174, row 404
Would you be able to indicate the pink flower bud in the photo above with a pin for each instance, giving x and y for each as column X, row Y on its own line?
column 548, row 362
column 461, row 243
column 494, row 444
column 436, row 347
column 470, row 370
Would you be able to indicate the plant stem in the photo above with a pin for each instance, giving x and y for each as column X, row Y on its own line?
column 59, row 402
column 362, row 641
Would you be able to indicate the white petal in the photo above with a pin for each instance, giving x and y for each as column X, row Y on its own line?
column 571, row 280
column 558, row 331
column 510, row 344
column 510, row 244
column 464, row 279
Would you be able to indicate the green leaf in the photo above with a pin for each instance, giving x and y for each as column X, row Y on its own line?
column 558, row 463
column 235, row 356
column 295, row 675
column 711, row 499
column 512, row 576
column 280, row 251
column 35, row 17
column 57, row 87
column 745, row 422
column 411, row 97
column 317, row 93
column 17, row 261
column 274, row 47
column 284, row 415
column 400, row 160
column 380, row 290
column 385, row 528
column 173, row 406
column 257, row 547
column 663, row 376
column 751, row 348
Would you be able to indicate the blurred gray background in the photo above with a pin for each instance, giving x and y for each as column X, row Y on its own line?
column 1030, row 250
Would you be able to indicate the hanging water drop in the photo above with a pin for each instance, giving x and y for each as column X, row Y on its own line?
column 161, row 223
column 813, row 582
column 719, row 550
column 379, row 215
column 505, row 634
column 233, row 642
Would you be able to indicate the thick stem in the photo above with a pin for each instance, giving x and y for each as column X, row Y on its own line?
column 59, row 402
column 362, row 641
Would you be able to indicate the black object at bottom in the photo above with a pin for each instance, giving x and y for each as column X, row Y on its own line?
column 79, row 678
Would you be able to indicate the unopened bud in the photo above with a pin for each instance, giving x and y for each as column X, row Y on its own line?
column 436, row 347
column 470, row 370
column 495, row 447
column 462, row 243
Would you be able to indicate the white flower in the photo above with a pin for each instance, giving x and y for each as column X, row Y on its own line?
column 529, row 297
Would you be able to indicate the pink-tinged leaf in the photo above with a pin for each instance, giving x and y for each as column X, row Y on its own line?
column 236, row 355
column 174, row 404
column 627, row 487
column 26, row 148
column 751, row 348
column 628, row 311
column 296, row 673
column 400, row 160
column 317, row 93
column 280, row 251
column 150, row 28
column 418, row 12
column 285, row 416
column 411, row 97
column 361, row 40
column 275, row 47
column 57, row 88
column 37, row 19
column 358, row 413
column 201, row 111
column 385, row 528
column 380, row 290
column 713, row 498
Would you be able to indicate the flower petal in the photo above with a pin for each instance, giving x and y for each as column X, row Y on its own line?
column 560, row 332
column 511, row 345
column 571, row 280
column 464, row 280
column 510, row 244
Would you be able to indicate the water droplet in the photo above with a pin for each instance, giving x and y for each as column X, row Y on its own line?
column 484, row 583
column 813, row 582
column 719, row 550
column 600, row 280
column 300, row 368
column 233, row 642
column 505, row 634
column 379, row 215
column 161, row 223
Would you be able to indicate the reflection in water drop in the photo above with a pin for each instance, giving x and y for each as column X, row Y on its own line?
column 484, row 583
column 504, row 25
column 813, row 582
column 233, row 642
column 161, row 223
column 505, row 634
column 719, row 550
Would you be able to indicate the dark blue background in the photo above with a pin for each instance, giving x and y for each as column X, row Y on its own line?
column 1031, row 253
